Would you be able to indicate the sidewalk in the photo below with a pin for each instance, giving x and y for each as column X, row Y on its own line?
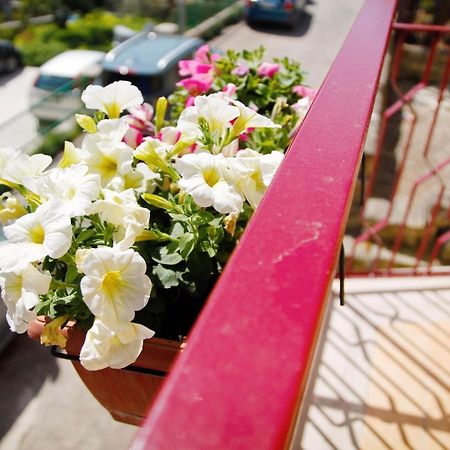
column 45, row 406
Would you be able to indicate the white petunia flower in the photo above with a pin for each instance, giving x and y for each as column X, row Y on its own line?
column 73, row 186
column 107, row 160
column 7, row 157
column 301, row 107
column 110, row 131
column 202, row 178
column 217, row 113
column 112, row 99
column 113, row 346
column 141, row 178
column 25, row 166
column 122, row 210
column 269, row 165
column 151, row 144
column 251, row 173
column 21, row 288
column 46, row 232
column 115, row 284
column 249, row 118
column 71, row 155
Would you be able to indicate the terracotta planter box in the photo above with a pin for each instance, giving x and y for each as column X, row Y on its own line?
column 126, row 393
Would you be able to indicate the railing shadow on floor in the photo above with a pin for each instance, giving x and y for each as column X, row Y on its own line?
column 380, row 378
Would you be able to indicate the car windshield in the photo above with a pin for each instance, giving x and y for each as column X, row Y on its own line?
column 51, row 83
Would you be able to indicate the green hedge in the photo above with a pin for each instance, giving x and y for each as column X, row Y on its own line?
column 200, row 10
column 94, row 31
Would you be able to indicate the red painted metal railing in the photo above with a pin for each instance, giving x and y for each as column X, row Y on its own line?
column 240, row 380
column 408, row 229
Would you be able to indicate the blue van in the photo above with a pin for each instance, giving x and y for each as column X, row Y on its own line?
column 149, row 61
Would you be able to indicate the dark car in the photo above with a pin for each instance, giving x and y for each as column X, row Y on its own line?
column 10, row 59
column 280, row 11
column 150, row 61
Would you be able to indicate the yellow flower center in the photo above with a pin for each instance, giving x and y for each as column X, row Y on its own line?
column 211, row 176
column 71, row 192
column 113, row 110
column 37, row 234
column 113, row 283
column 257, row 178
column 107, row 167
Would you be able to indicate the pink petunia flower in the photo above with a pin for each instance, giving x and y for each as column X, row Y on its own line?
column 240, row 70
column 169, row 135
column 196, row 85
column 133, row 137
column 229, row 89
column 267, row 69
column 140, row 117
column 303, row 91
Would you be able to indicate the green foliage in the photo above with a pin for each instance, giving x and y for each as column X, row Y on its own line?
column 35, row 53
column 271, row 97
column 200, row 10
column 185, row 267
column 94, row 31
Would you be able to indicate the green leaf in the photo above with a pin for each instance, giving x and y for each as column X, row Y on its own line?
column 202, row 217
column 177, row 230
column 166, row 258
column 187, row 244
column 207, row 247
column 71, row 274
column 85, row 234
column 217, row 222
column 167, row 277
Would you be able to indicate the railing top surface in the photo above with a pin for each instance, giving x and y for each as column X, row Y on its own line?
column 239, row 381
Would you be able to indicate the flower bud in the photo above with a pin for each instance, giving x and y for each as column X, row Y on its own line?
column 161, row 108
column 11, row 209
column 159, row 202
column 86, row 123
column 230, row 223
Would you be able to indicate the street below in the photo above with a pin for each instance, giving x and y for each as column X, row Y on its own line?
column 315, row 41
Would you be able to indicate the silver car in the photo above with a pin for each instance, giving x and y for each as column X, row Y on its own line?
column 56, row 93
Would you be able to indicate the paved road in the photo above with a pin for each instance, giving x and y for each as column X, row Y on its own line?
column 315, row 42
column 14, row 99
column 14, row 92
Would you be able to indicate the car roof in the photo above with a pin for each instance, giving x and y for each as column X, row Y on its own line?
column 5, row 43
column 148, row 53
column 71, row 63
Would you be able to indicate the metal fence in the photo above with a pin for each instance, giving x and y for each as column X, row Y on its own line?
column 26, row 130
column 403, row 223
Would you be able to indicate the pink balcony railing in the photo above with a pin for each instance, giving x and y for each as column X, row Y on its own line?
column 240, row 381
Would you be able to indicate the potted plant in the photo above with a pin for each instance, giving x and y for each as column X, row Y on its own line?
column 122, row 239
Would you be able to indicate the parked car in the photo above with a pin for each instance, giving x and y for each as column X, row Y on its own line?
column 10, row 58
column 56, row 93
column 150, row 61
column 281, row 11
